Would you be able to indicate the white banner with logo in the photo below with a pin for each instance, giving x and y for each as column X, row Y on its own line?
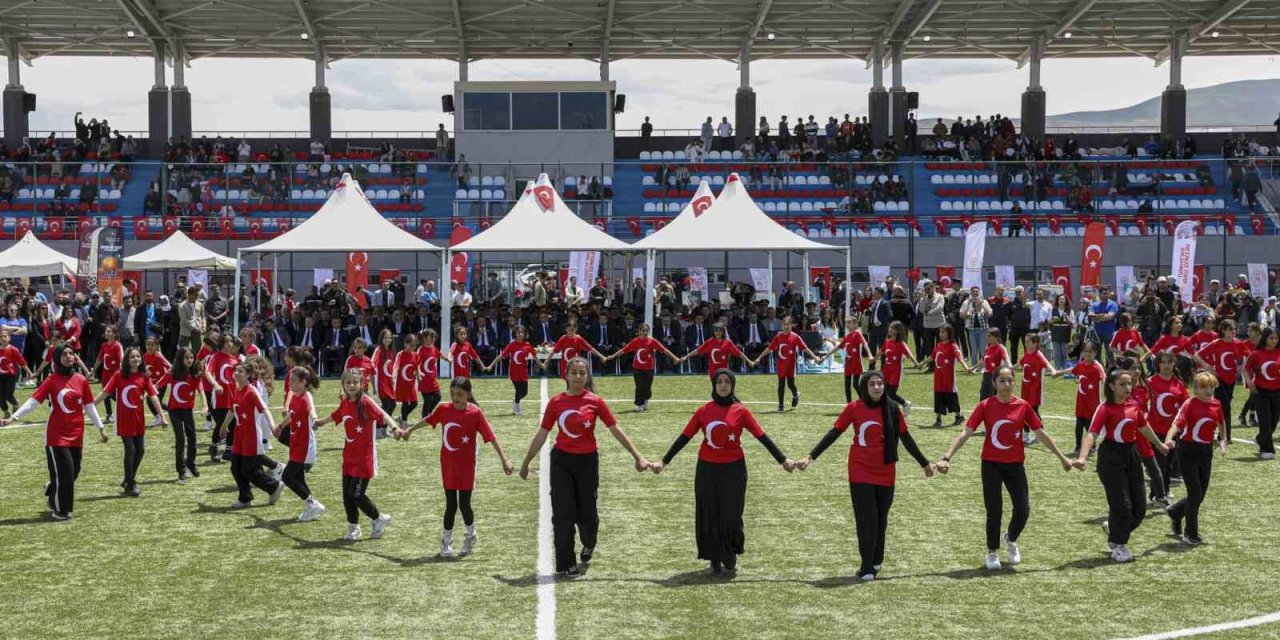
column 198, row 277
column 1125, row 281
column 878, row 275
column 1258, row 278
column 975, row 251
column 698, row 279
column 760, row 279
column 585, row 266
column 1184, row 259
column 319, row 277
column 1004, row 277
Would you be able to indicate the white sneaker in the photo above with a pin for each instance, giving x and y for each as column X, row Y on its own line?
column 1267, row 456
column 515, row 408
column 208, row 426
column 278, row 473
column 353, row 533
column 868, row 577
column 155, row 422
column 1011, row 549
column 993, row 561
column 239, row 505
column 1121, row 553
column 275, row 495
column 906, row 410
column 380, row 526
column 311, row 512
column 468, row 543
column 1029, row 439
column 446, row 548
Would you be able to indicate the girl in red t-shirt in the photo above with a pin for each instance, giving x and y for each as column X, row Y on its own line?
column 428, row 370
column 458, row 453
column 300, row 419
column 247, row 446
column 1089, row 375
column 946, row 355
column 1157, row 491
column 157, row 366
column 11, row 363
column 574, row 463
column 892, row 355
column 358, row 358
column 132, row 426
column 356, row 418
column 855, row 348
column 993, row 358
column 873, row 461
column 520, row 353
column 1003, row 461
column 1223, row 358
column 720, row 480
column 644, row 363
column 184, row 379
column 1168, row 393
column 384, row 367
column 110, row 357
column 789, row 345
column 1200, row 422
column 1262, row 375
column 406, row 372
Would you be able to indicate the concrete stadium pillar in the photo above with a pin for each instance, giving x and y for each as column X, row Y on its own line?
column 179, row 100
column 158, row 108
column 744, row 102
column 321, row 107
column 1173, row 102
column 1033, row 99
column 16, row 124
column 878, row 98
column 897, row 97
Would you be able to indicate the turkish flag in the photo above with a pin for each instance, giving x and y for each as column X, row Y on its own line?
column 1197, row 282
column 133, row 283
column 1229, row 224
column 634, row 225
column 996, row 224
column 1142, row 225
column 197, row 229
column 1062, row 278
column 830, row 223
column 84, row 225
column 945, row 272
column 1256, row 223
column 255, row 229
column 1055, row 224
column 886, row 222
column 426, row 228
column 358, row 275
column 141, row 229
column 861, row 224
column 1025, row 221
column 264, row 277
column 1095, row 236
column 52, row 229
column 227, row 226
column 115, row 221
column 388, row 275
column 21, row 227
column 802, row 223
column 1113, row 223
column 283, row 225
column 941, row 225
column 169, row 225
column 913, row 274
column 914, row 223
column 459, row 265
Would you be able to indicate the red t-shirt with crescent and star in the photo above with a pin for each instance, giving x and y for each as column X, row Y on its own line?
column 519, row 354
column 131, row 417
column 721, row 429
column 866, row 452
column 576, row 418
column 1003, row 423
column 222, row 367
column 1166, row 397
column 462, row 354
column 945, row 356
column 363, row 363
column 852, row 345
column 360, row 454
column 788, row 346
column 10, row 360
column 718, row 353
column 462, row 429
column 1089, row 377
column 894, row 352
column 247, row 404
column 428, row 369
column 67, row 397
column 157, row 367
column 182, row 393
column 407, row 376
column 1193, row 418
column 384, row 370
column 1033, row 364
column 1264, row 366
column 569, row 347
column 1118, row 422
column 302, row 435
column 1225, row 358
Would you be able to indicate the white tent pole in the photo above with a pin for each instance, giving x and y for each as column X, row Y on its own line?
column 768, row 295
column 804, row 265
column 446, row 309
column 257, row 300
column 275, row 278
column 235, row 298
column 650, row 257
column 848, row 282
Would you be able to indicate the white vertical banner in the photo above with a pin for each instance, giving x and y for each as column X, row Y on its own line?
column 698, row 279
column 1184, row 259
column 878, row 275
column 320, row 276
column 1258, row 278
column 637, row 272
column 1125, row 281
column 198, row 277
column 975, row 251
column 1004, row 277
column 584, row 265
column 760, row 279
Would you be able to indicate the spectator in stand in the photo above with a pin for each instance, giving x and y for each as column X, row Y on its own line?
column 461, row 171
column 1251, row 184
column 646, row 132
column 316, row 151
column 724, row 131
column 764, row 132
column 708, row 130
column 696, row 149
column 442, row 142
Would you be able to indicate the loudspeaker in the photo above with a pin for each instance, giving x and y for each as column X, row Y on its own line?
column 29, row 101
column 446, row 102
column 620, row 103
column 913, row 99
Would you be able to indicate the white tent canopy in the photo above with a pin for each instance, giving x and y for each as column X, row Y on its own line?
column 732, row 223
column 540, row 221
column 178, row 251
column 30, row 258
column 347, row 222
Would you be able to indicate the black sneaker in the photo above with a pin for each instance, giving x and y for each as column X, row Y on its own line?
column 1175, row 480
column 716, row 569
column 195, row 473
column 571, row 572
column 133, row 491
column 795, row 400
column 587, row 553
column 959, row 420
column 182, row 476
column 1175, row 524
column 937, row 424
column 60, row 515
column 1194, row 541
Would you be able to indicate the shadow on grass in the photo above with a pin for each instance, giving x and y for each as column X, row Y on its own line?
column 18, row 522
column 1094, row 521
column 1249, row 459
column 278, row 526
column 113, row 496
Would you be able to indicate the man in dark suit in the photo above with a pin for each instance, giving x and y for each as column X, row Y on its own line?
column 309, row 337
column 485, row 339
column 602, row 334
column 752, row 336
column 276, row 340
column 366, row 330
column 334, row 345
column 880, row 315
column 544, row 330
column 694, row 335
column 668, row 333
column 398, row 326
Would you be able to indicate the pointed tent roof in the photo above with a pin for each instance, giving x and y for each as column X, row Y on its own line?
column 178, row 251
column 540, row 221
column 702, row 200
column 346, row 222
column 733, row 223
column 30, row 258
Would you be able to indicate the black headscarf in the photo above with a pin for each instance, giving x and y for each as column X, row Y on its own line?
column 889, row 412
column 730, row 399
column 60, row 368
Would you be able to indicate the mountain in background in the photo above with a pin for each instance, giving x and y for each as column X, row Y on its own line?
column 1245, row 102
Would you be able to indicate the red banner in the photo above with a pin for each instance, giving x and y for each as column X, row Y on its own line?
column 1062, row 278
column 1095, row 236
column 358, row 275
column 945, row 272
column 388, row 275
column 170, row 224
column 460, row 262
column 133, row 284
column 1198, row 282
column 825, row 274
column 264, row 277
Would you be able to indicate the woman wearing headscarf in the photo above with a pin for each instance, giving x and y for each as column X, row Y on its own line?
column 720, row 481
column 873, row 458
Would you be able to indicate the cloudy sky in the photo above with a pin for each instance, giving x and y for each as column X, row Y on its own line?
column 236, row 95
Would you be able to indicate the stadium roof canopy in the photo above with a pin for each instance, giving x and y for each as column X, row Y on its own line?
column 587, row 29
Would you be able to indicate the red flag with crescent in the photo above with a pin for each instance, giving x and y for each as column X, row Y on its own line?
column 1256, row 223
column 22, row 226
column 1062, row 278
column 700, row 204
column 945, row 272
column 1095, row 237
column 169, row 224
column 460, row 262
column 426, row 228
column 357, row 275
column 141, row 229
column 634, row 225
column 1197, row 282
column 546, row 196
column 264, row 277
column 52, row 229
column 132, row 283
column 84, row 226
column 388, row 275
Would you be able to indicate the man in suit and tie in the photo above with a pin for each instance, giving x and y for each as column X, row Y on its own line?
column 335, row 345
column 485, row 338
column 694, row 335
column 668, row 333
column 398, row 327
column 879, row 316
column 602, row 334
column 752, row 336
column 544, row 331
column 366, row 330
column 309, row 337
column 277, row 340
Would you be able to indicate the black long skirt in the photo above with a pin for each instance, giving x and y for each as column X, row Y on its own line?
column 720, row 492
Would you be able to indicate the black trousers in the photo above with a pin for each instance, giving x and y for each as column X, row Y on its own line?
column 389, row 406
column 1267, row 404
column 1157, row 483
column 159, row 398
column 429, row 402
column 891, row 392
column 1015, row 343
column 945, row 402
column 574, row 480
column 1121, row 476
column 295, row 477
column 7, row 386
column 1224, row 393
column 786, row 383
column 928, row 340
column 184, row 438
column 355, row 499
column 134, row 449
column 1082, row 425
column 1011, row 476
column 988, row 388
column 217, row 416
column 848, row 388
column 1196, row 460
column 720, row 494
column 407, row 408
column 64, row 468
column 248, row 473
column 455, row 500
column 644, row 385
column 871, row 505
column 522, row 389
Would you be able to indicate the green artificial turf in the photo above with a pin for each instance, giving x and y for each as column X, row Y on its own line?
column 177, row 562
